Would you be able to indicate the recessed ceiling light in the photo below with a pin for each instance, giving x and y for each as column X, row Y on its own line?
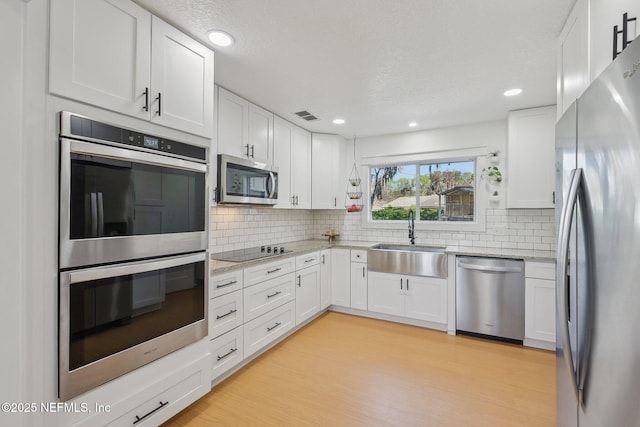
column 338, row 121
column 413, row 124
column 513, row 92
column 220, row 38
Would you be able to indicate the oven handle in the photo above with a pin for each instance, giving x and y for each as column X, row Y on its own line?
column 126, row 155
column 103, row 272
column 100, row 215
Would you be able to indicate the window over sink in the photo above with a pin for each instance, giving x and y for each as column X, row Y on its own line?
column 441, row 191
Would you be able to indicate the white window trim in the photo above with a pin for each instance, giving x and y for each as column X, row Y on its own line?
column 481, row 191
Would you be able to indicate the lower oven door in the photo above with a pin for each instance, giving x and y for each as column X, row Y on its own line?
column 114, row 319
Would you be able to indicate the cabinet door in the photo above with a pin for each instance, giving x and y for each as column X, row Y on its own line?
column 540, row 313
column 307, row 293
column 265, row 296
column 426, row 299
column 359, row 285
column 531, row 158
column 233, row 124
column 301, row 168
column 182, row 81
column 100, row 53
column 282, row 138
column 386, row 293
column 325, row 279
column 260, row 134
column 225, row 313
column 340, row 277
column 326, row 172
column 573, row 57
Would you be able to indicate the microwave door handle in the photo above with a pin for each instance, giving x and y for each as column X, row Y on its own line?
column 93, row 209
column 272, row 178
column 100, row 215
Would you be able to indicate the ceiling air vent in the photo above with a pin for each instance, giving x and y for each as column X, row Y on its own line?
column 306, row 115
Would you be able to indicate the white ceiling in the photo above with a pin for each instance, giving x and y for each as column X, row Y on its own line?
column 380, row 64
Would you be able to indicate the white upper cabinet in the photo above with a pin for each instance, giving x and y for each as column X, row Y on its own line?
column 328, row 180
column 301, row 168
column 101, row 53
column 181, row 81
column 233, row 124
column 244, row 129
column 282, row 137
column 604, row 15
column 573, row 57
column 585, row 45
column 116, row 55
column 530, row 158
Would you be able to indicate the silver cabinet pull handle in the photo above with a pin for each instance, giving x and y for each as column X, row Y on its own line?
column 309, row 260
column 407, row 284
column 233, row 282
column 229, row 353
column 252, row 154
column 247, row 150
column 299, row 280
column 273, row 295
column 362, row 271
column 226, row 314
column 401, row 283
column 273, row 271
column 274, row 326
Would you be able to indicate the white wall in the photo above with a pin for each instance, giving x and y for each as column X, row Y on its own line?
column 11, row 215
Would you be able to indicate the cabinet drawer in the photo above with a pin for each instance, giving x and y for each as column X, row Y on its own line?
column 540, row 270
column 226, row 352
column 190, row 384
column 307, row 260
column 225, row 283
column 262, row 272
column 265, row 329
column 268, row 295
column 225, row 313
column 358, row 255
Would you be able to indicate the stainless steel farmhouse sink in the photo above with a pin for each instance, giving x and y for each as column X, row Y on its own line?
column 407, row 259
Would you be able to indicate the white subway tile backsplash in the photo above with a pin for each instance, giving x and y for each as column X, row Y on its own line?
column 523, row 230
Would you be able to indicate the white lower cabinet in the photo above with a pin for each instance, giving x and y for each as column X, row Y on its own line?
column 359, row 279
column 307, row 293
column 341, row 277
column 265, row 296
column 225, row 313
column 325, row 279
column 169, row 396
column 263, row 330
column 540, row 305
column 226, row 351
column 415, row 297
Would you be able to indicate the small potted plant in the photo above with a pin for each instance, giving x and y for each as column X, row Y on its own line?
column 492, row 173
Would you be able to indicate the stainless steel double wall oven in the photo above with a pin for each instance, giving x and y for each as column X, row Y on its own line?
column 132, row 250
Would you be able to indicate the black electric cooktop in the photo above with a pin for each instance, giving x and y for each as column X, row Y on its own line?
column 249, row 254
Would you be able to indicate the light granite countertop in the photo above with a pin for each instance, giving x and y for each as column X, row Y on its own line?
column 306, row 246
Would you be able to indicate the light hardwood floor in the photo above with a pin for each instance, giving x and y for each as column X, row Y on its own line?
column 345, row 370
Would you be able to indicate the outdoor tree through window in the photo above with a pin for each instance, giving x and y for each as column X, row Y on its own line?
column 439, row 191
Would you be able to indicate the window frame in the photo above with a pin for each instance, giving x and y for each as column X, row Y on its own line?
column 480, row 192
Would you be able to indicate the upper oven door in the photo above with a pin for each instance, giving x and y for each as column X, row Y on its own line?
column 118, row 204
column 246, row 181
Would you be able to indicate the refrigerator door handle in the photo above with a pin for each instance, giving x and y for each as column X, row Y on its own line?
column 564, row 231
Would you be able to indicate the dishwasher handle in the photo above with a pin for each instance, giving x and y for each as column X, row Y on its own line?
column 490, row 268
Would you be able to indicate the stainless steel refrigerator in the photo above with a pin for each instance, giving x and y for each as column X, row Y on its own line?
column 598, row 260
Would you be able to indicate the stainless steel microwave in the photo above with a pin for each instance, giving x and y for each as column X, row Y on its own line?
column 246, row 181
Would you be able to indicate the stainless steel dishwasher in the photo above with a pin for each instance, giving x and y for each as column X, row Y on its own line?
column 490, row 297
